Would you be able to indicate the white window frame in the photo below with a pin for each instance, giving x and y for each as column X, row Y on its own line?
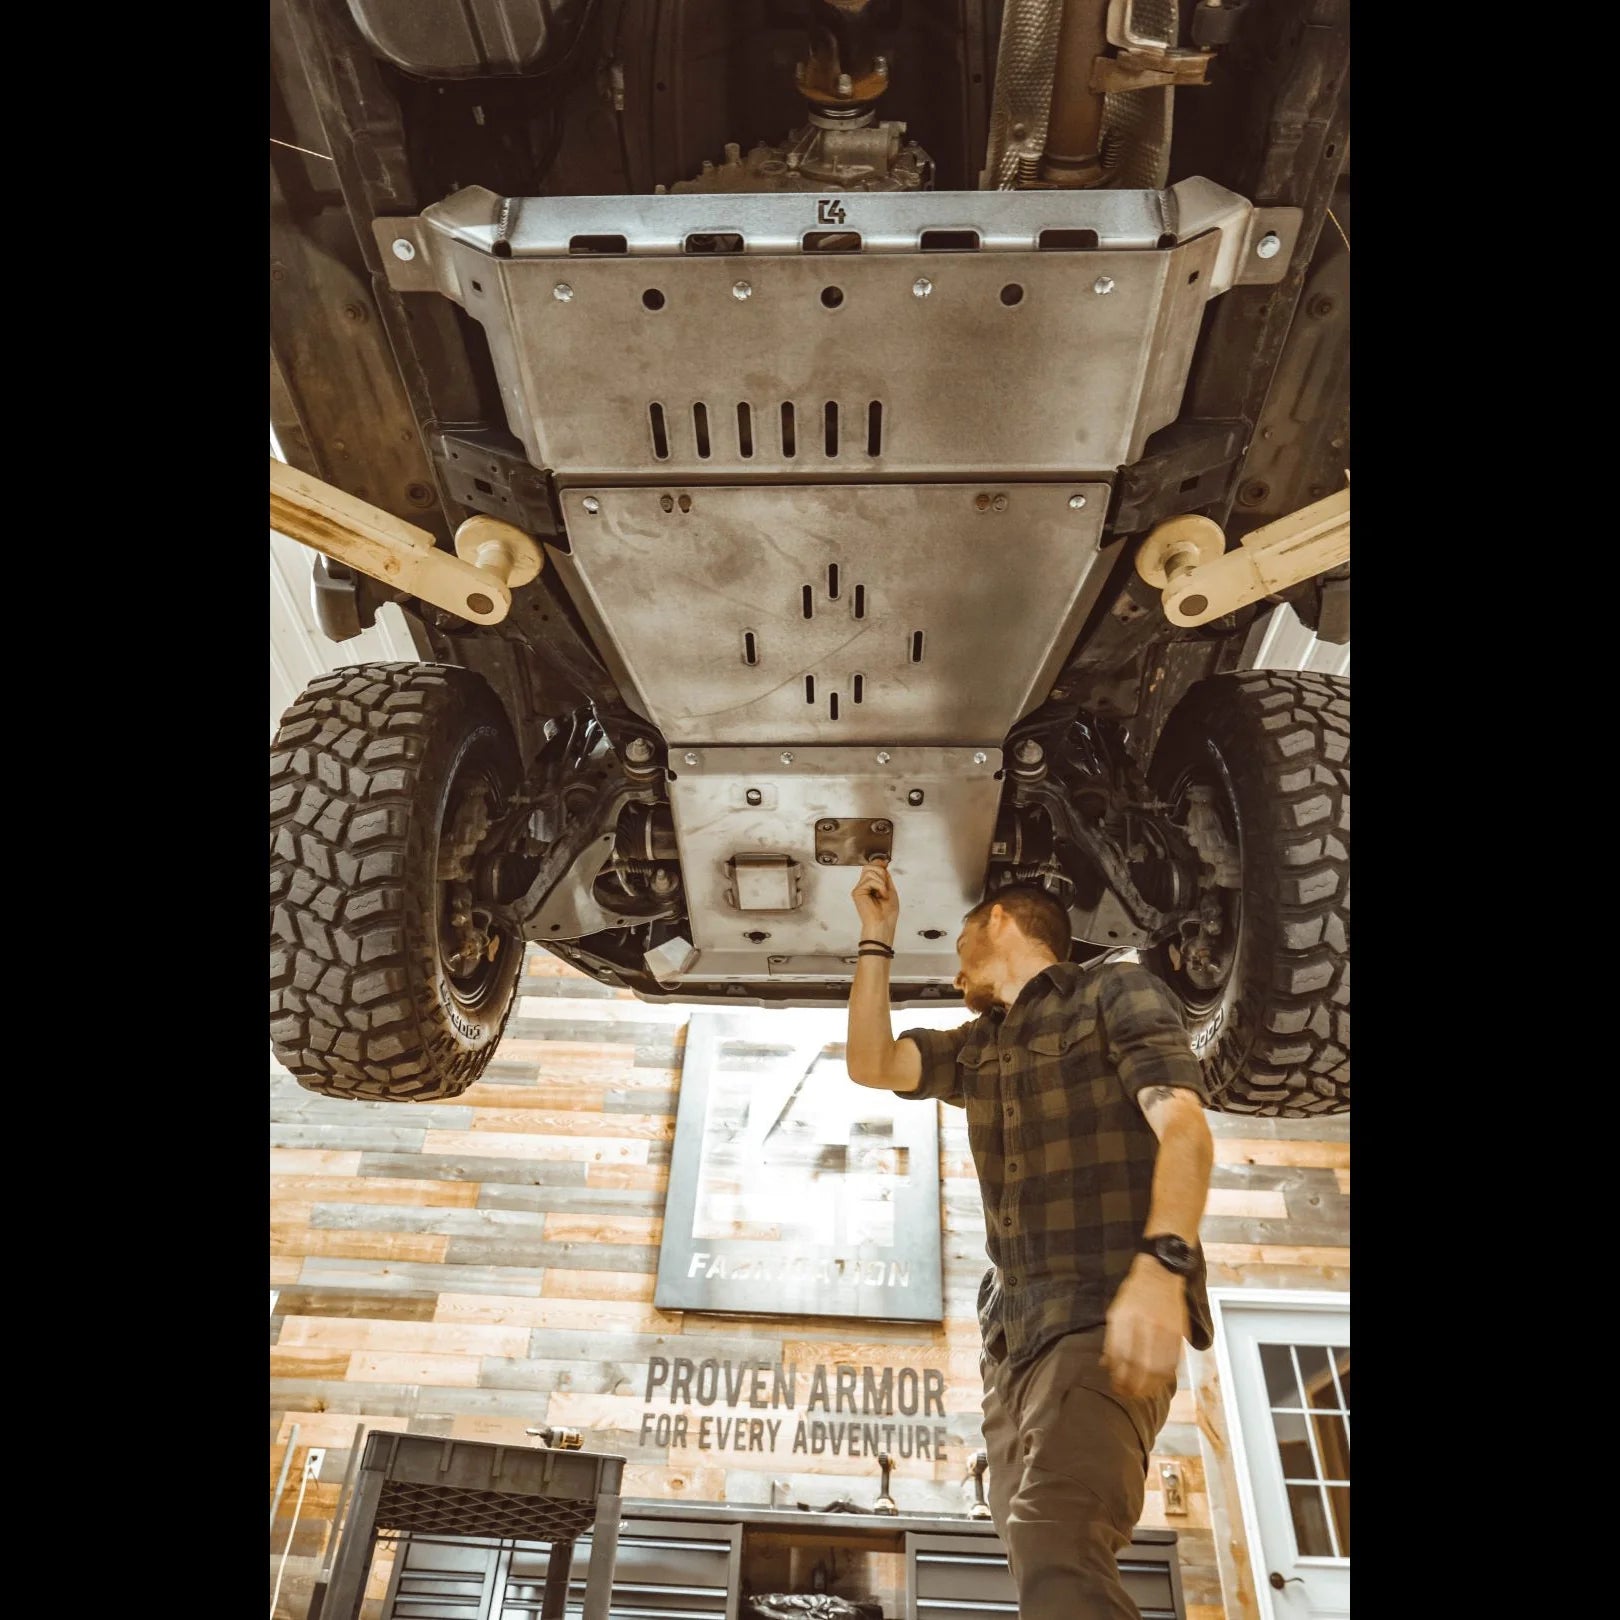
column 1287, row 1299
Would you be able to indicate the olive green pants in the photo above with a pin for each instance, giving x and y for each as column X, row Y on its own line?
column 1068, row 1472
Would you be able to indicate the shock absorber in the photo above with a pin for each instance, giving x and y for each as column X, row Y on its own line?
column 646, row 832
column 644, row 852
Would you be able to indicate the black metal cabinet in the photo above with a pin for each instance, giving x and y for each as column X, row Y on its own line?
column 683, row 1561
column 965, row 1577
column 663, row 1571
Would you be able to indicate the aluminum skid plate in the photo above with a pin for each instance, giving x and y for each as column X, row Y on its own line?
column 877, row 613
column 940, row 853
column 622, row 351
column 834, row 486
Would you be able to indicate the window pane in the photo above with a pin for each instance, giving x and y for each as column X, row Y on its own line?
column 1341, row 1358
column 1333, row 1443
column 1282, row 1389
column 1310, row 1521
column 1318, row 1376
column 1293, row 1445
column 1339, row 1498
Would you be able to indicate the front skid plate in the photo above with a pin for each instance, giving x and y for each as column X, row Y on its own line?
column 941, row 848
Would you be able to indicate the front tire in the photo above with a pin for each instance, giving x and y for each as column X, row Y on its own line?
column 1267, row 995
column 389, row 981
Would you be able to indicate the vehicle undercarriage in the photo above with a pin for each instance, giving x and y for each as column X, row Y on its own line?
column 890, row 397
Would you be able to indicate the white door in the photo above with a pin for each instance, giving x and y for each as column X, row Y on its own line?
column 1285, row 1364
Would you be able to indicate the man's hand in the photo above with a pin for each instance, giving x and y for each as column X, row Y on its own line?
column 1146, row 1324
column 876, row 901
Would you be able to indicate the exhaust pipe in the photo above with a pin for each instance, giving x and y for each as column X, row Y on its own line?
column 1073, row 156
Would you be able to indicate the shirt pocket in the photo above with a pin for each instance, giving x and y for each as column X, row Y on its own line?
column 979, row 1064
column 1064, row 1068
column 1065, row 1043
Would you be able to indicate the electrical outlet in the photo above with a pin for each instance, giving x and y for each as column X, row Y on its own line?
column 312, row 1463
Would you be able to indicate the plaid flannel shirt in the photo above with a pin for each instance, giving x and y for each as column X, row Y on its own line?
column 1064, row 1154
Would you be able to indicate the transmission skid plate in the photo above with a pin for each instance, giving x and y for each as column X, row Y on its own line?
column 887, row 614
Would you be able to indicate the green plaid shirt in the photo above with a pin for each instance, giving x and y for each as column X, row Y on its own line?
column 1064, row 1154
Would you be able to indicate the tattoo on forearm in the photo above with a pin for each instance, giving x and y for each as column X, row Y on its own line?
column 1152, row 1096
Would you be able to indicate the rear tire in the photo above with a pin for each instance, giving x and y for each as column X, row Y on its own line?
column 370, row 770
column 1274, row 1037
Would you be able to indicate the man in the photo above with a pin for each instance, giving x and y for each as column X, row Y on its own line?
column 1085, row 1117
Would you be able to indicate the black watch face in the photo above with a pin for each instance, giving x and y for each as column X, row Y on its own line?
column 1175, row 1252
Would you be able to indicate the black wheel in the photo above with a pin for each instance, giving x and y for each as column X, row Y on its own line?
column 1256, row 770
column 389, row 978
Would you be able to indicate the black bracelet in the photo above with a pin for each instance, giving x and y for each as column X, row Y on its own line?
column 881, row 948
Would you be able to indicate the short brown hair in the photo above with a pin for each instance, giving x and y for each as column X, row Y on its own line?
column 1039, row 917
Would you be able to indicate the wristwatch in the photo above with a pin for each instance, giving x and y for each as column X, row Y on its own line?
column 1173, row 1253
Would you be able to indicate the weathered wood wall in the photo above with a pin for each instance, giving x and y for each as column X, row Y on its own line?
column 474, row 1268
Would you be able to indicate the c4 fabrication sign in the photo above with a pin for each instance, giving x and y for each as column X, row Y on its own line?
column 792, row 1190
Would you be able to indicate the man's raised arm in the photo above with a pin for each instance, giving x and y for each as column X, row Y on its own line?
column 872, row 1055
